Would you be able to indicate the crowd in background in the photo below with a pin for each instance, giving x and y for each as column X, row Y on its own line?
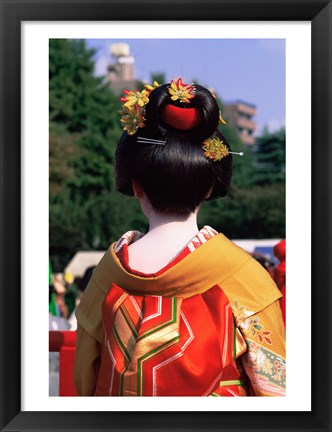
column 65, row 292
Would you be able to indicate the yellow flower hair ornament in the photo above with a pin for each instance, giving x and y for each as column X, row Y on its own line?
column 149, row 87
column 215, row 149
column 181, row 92
column 132, row 114
column 221, row 120
column 131, row 119
column 132, row 98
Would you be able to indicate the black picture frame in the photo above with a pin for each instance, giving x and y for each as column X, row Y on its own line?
column 13, row 12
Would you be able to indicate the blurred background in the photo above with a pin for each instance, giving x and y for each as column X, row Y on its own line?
column 86, row 79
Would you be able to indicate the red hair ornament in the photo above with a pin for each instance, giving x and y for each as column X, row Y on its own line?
column 181, row 118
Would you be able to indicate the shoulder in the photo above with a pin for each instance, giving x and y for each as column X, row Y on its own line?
column 250, row 289
column 245, row 282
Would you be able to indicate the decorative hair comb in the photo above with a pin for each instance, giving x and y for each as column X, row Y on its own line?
column 215, row 149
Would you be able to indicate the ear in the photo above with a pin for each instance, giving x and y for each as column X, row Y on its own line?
column 210, row 191
column 137, row 188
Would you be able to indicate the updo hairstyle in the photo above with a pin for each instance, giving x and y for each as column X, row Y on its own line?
column 176, row 177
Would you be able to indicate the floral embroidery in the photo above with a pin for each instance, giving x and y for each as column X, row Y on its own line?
column 266, row 369
column 250, row 325
column 240, row 312
column 279, row 369
column 266, row 363
column 257, row 330
column 259, row 360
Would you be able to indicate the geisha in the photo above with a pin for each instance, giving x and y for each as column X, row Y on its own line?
column 177, row 311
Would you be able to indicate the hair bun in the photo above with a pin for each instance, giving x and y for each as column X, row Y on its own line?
column 198, row 118
column 181, row 118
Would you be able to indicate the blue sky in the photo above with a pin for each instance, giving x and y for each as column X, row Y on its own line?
column 252, row 70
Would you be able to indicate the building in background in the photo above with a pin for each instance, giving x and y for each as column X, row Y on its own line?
column 121, row 75
column 240, row 116
column 121, row 72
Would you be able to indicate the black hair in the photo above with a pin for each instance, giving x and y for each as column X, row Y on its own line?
column 176, row 177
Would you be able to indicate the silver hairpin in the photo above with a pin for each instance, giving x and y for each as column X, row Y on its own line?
column 237, row 153
column 143, row 140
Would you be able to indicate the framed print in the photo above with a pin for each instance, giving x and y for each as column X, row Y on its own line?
column 27, row 28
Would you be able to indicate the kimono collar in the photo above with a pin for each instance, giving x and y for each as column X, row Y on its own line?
column 210, row 264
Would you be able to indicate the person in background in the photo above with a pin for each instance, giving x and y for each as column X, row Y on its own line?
column 264, row 262
column 52, row 307
column 81, row 284
column 279, row 273
column 86, row 279
column 71, row 292
column 56, row 323
column 60, row 291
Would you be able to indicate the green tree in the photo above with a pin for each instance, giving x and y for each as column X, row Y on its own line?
column 243, row 166
column 159, row 77
column 255, row 205
column 62, row 148
column 269, row 158
column 84, row 130
column 71, row 83
column 257, row 212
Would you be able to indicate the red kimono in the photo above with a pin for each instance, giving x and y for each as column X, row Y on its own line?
column 176, row 345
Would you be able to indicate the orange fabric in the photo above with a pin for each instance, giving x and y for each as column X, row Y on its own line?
column 181, row 355
column 217, row 269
